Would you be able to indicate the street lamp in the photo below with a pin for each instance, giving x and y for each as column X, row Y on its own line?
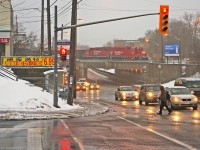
column 147, row 40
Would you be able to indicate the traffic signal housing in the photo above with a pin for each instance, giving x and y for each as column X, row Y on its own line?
column 164, row 19
column 63, row 53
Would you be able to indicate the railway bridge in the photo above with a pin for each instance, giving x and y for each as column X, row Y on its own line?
column 139, row 71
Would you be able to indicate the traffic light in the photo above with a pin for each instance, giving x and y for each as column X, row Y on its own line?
column 164, row 19
column 65, row 77
column 63, row 53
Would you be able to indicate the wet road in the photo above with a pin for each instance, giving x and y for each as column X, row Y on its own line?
column 127, row 126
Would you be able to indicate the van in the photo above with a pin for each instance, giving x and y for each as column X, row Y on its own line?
column 192, row 83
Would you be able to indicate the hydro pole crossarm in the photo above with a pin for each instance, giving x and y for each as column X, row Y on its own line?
column 103, row 21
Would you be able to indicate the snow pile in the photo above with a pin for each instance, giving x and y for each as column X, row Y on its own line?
column 19, row 95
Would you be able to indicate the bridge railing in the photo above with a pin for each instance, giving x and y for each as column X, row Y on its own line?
column 8, row 73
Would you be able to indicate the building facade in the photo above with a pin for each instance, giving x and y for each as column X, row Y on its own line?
column 6, row 28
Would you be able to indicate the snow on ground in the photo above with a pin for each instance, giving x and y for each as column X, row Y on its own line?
column 19, row 95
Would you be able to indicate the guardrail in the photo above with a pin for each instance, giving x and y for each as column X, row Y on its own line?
column 8, row 74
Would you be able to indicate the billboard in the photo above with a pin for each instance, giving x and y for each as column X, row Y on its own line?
column 172, row 50
column 27, row 61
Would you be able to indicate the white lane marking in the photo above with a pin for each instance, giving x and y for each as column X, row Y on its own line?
column 73, row 136
column 162, row 135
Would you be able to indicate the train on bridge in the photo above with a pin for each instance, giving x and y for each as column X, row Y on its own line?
column 116, row 53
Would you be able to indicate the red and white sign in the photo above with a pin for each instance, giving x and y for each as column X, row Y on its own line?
column 4, row 37
column 4, row 40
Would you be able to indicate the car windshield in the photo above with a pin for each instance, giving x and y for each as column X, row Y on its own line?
column 153, row 88
column 179, row 91
column 193, row 84
column 126, row 88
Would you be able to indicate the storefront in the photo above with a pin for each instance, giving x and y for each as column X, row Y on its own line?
column 5, row 43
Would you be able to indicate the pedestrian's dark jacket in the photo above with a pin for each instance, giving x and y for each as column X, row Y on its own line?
column 163, row 95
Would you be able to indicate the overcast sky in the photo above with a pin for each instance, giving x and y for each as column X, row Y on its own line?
column 95, row 10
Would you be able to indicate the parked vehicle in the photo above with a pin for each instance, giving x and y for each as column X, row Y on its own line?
column 149, row 93
column 126, row 93
column 181, row 97
column 192, row 83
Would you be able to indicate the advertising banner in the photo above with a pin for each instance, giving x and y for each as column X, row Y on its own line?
column 24, row 61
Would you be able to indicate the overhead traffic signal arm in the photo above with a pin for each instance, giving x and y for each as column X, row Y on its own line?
column 164, row 19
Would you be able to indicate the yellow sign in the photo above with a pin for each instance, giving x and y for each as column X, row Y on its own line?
column 25, row 61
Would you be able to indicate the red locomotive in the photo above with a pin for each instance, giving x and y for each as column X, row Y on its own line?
column 122, row 52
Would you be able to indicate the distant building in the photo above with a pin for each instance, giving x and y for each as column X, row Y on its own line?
column 6, row 28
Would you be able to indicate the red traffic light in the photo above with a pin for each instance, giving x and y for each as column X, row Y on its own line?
column 63, row 51
column 165, row 9
column 164, row 19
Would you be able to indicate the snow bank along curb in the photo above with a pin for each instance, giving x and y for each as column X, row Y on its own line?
column 85, row 109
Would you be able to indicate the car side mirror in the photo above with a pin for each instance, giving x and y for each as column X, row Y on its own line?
column 192, row 92
column 118, row 89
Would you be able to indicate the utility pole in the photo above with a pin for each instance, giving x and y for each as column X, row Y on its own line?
column 49, row 27
column 62, row 33
column 55, row 96
column 72, row 56
column 42, row 29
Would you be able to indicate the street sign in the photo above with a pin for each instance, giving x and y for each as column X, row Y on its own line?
column 172, row 50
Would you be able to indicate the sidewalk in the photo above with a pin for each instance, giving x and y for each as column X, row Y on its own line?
column 86, row 109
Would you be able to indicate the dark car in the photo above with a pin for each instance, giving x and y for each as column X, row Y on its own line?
column 149, row 93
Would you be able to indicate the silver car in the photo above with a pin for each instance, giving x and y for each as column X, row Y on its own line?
column 126, row 93
column 181, row 97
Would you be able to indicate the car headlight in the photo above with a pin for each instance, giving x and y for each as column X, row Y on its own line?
column 195, row 99
column 136, row 93
column 123, row 94
column 150, row 94
column 176, row 99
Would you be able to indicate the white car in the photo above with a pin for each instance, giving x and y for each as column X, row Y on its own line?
column 181, row 97
column 126, row 93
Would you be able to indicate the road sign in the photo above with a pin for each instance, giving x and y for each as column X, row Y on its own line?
column 172, row 50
